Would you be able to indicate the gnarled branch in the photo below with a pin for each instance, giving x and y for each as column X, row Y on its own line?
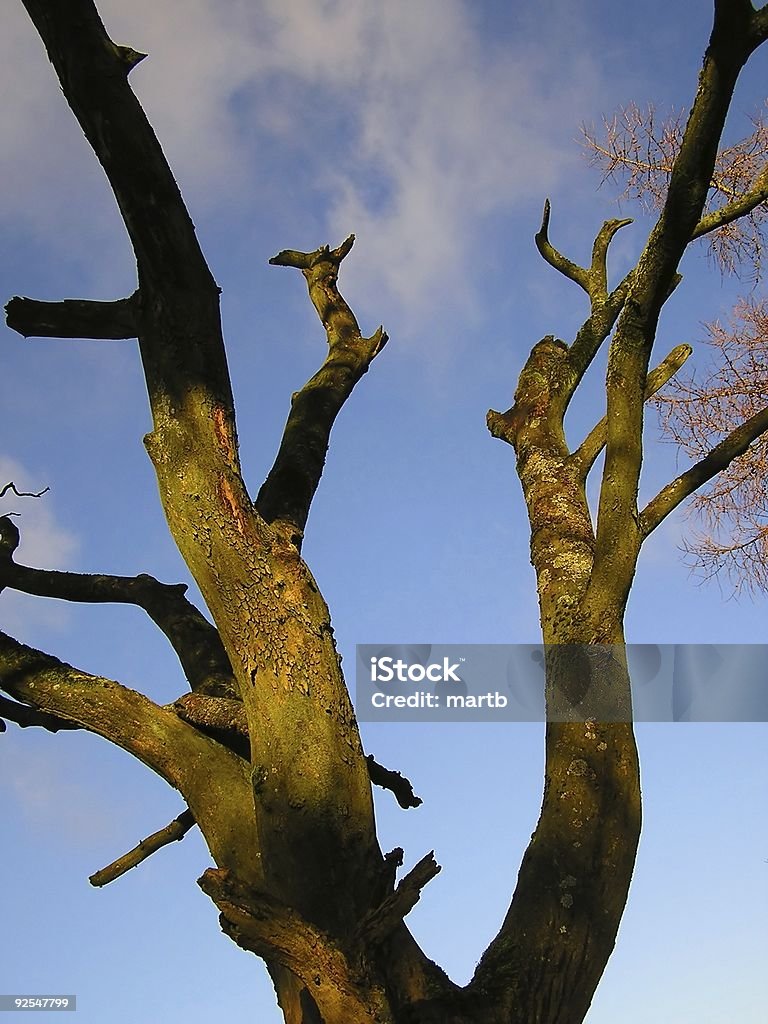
column 287, row 493
column 393, row 781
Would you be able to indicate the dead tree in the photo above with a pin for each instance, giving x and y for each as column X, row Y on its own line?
column 265, row 749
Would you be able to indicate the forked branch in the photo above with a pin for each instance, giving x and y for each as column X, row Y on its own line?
column 594, row 442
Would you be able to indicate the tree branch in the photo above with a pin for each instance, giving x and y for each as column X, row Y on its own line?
column 127, row 718
column 393, row 781
column 740, row 207
column 556, row 259
column 223, row 719
column 74, row 318
column 721, row 456
column 594, row 442
column 24, row 716
column 220, row 798
column 195, row 641
column 22, row 494
column 287, row 493
column 173, row 832
column 618, row 536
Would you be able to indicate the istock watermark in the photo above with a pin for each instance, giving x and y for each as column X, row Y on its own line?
column 528, row 682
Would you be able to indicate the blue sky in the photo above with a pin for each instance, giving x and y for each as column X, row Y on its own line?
column 434, row 131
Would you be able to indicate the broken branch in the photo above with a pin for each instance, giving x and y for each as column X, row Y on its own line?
column 393, row 781
column 287, row 493
column 173, row 832
column 74, row 318
column 381, row 922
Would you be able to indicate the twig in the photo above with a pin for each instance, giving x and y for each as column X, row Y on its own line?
column 172, row 832
column 21, row 494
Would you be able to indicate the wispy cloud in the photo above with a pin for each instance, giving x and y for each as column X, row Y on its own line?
column 412, row 127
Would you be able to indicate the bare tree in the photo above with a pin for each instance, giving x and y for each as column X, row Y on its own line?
column 264, row 748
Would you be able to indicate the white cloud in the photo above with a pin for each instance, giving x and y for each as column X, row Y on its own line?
column 442, row 129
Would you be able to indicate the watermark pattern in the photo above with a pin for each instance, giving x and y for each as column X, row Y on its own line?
column 573, row 682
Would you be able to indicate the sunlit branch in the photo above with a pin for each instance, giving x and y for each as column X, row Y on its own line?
column 171, row 833
column 555, row 258
column 594, row 442
column 740, row 207
column 127, row 718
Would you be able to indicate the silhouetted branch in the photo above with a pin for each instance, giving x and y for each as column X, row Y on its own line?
column 195, row 641
column 24, row 716
column 393, row 781
column 74, row 318
column 22, row 494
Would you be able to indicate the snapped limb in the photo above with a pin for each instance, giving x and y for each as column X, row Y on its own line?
column 288, row 490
